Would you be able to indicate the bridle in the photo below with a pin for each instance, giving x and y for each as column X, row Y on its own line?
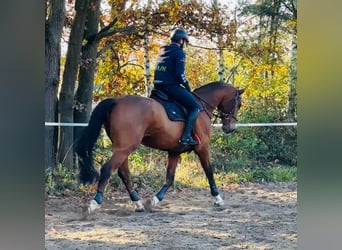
column 220, row 113
column 235, row 104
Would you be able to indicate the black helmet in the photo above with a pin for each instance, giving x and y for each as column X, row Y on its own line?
column 178, row 34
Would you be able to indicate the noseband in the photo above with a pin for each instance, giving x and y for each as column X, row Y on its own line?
column 226, row 116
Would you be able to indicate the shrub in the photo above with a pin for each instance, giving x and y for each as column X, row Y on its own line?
column 60, row 179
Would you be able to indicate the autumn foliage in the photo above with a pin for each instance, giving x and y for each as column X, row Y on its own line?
column 253, row 45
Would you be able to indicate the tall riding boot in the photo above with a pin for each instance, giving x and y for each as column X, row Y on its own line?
column 190, row 121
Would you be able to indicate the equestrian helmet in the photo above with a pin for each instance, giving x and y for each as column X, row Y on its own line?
column 178, row 34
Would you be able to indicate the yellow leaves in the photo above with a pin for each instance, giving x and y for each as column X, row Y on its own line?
column 245, row 63
column 282, row 69
column 174, row 8
column 201, row 66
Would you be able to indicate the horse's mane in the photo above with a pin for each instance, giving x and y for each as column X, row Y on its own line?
column 212, row 86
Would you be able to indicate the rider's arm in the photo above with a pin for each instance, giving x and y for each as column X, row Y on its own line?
column 180, row 70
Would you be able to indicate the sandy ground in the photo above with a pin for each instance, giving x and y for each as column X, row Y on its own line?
column 255, row 216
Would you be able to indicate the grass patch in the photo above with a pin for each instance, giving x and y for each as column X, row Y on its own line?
column 284, row 174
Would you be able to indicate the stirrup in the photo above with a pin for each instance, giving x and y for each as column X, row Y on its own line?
column 188, row 141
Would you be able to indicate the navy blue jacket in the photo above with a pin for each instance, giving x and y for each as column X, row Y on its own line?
column 170, row 66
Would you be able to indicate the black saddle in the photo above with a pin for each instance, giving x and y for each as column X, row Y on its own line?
column 175, row 111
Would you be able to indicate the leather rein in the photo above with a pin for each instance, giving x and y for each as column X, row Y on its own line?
column 220, row 113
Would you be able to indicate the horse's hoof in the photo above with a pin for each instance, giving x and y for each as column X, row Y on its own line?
column 148, row 205
column 93, row 206
column 140, row 206
column 155, row 201
column 139, row 210
column 219, row 201
column 218, row 204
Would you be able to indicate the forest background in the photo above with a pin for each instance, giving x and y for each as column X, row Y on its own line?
column 96, row 49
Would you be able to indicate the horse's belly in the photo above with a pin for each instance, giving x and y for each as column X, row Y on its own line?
column 161, row 143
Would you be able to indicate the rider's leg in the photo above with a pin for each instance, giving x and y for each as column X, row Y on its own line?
column 185, row 98
column 190, row 121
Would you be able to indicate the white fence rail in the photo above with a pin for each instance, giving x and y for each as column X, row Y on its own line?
column 214, row 125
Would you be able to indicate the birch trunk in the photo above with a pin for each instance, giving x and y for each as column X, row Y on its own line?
column 220, row 48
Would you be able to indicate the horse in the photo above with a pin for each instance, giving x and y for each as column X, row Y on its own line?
column 132, row 120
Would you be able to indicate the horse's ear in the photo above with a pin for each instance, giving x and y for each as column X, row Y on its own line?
column 241, row 91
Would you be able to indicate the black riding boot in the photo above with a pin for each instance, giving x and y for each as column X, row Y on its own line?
column 186, row 138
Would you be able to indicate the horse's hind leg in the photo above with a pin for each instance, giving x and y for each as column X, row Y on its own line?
column 170, row 176
column 106, row 171
column 125, row 176
column 104, row 177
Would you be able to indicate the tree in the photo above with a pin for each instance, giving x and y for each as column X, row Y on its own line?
column 54, row 13
column 89, row 54
column 80, row 64
column 275, row 28
column 292, row 104
column 87, row 66
column 66, row 97
column 154, row 23
column 219, row 42
column 146, row 45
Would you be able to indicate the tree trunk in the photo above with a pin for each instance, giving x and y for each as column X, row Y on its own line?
column 66, row 155
column 220, row 46
column 220, row 64
column 84, row 94
column 147, row 66
column 292, row 103
column 53, row 33
column 273, row 33
column 146, row 45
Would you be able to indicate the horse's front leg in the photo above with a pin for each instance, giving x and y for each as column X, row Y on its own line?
column 203, row 155
column 170, row 176
column 125, row 176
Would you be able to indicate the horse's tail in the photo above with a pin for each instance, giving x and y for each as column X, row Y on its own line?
column 88, row 174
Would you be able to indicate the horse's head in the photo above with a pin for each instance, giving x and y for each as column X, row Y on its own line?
column 228, row 110
column 224, row 97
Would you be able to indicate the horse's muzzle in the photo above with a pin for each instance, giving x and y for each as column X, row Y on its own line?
column 227, row 129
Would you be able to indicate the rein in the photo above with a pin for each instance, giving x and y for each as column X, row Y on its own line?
column 202, row 101
column 220, row 113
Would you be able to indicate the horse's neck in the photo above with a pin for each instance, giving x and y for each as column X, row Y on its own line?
column 211, row 100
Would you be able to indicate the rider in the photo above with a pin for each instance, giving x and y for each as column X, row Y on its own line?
column 169, row 77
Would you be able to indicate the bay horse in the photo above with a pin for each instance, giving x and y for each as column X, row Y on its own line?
column 132, row 120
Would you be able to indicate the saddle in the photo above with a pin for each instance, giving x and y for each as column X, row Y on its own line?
column 174, row 110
